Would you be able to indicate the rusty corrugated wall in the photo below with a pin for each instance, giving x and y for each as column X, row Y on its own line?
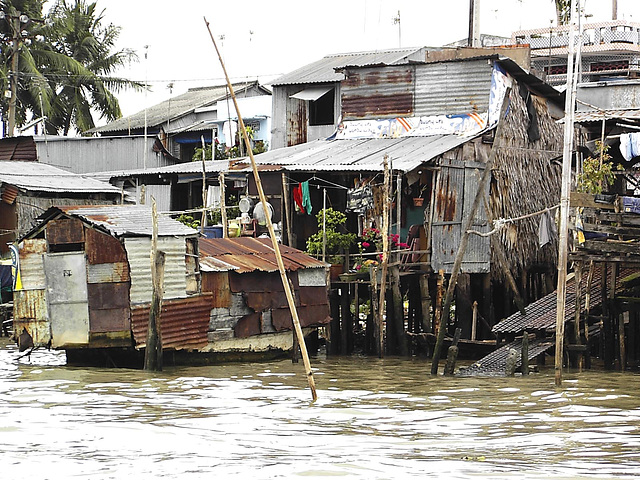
column 378, row 92
column 184, row 322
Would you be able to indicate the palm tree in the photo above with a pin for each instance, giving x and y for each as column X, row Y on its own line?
column 77, row 31
column 563, row 11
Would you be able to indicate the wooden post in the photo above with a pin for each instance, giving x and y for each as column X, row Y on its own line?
column 345, row 315
column 524, row 357
column 452, row 353
column 576, row 321
column 437, row 315
column 474, row 321
column 274, row 241
column 385, row 240
column 334, row 326
column 512, row 362
column 425, row 303
column 398, row 307
column 621, row 342
column 223, row 206
column 464, row 240
column 378, row 333
column 287, row 209
column 153, row 347
column 587, row 313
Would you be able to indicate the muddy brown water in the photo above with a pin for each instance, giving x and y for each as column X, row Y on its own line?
column 374, row 419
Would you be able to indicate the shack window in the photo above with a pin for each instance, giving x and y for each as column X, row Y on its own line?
column 321, row 110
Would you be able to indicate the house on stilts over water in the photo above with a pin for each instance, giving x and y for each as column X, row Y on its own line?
column 86, row 288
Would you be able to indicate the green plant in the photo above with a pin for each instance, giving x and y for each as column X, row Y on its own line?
column 597, row 173
column 189, row 221
column 337, row 240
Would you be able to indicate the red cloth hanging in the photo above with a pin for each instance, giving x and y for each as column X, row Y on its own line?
column 297, row 197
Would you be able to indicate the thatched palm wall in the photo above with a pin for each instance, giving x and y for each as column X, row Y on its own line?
column 525, row 180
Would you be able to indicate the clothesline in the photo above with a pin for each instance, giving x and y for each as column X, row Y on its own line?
column 500, row 223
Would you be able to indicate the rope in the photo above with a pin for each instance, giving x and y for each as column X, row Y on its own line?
column 500, row 223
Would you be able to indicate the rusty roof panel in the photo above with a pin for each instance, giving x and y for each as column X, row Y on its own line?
column 103, row 248
column 248, row 254
column 541, row 314
column 184, row 322
column 127, row 220
column 18, row 148
column 378, row 92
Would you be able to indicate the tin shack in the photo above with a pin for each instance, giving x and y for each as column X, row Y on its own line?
column 86, row 289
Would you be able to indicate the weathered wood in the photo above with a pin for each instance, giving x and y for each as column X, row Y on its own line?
column 464, row 241
column 425, row 303
column 345, row 316
column 223, row 206
column 579, row 199
column 385, row 243
column 474, row 321
column 576, row 320
column 398, row 307
column 452, row 357
column 611, row 229
column 621, row 341
column 524, row 357
column 437, row 317
column 153, row 347
column 378, row 334
column 334, row 326
column 512, row 361
column 287, row 209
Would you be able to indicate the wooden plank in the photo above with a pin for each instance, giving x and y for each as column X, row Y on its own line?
column 579, row 199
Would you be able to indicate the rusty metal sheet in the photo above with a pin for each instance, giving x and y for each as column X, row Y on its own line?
column 309, row 316
column 108, row 273
column 103, row 248
column 184, row 322
column 64, row 231
column 217, row 283
column 108, row 307
column 296, row 121
column 258, row 282
column 248, row 254
column 259, row 301
column 31, row 263
column 313, row 296
column 248, row 325
column 378, row 92
column 30, row 313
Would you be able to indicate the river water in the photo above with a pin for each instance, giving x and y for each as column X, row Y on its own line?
column 374, row 419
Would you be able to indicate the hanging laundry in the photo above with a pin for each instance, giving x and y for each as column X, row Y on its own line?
column 306, row 197
column 230, row 129
column 630, row 145
column 546, row 229
column 297, row 199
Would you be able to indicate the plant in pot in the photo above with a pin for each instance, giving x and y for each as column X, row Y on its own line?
column 338, row 240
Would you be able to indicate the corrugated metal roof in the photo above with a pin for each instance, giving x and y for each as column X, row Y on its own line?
column 361, row 155
column 248, row 254
column 18, row 148
column 597, row 116
column 541, row 314
column 38, row 177
column 323, row 70
column 172, row 108
column 127, row 220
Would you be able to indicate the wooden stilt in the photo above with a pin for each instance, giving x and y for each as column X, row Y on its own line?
column 524, row 358
column 334, row 327
column 398, row 308
column 577, row 362
column 425, row 304
column 345, row 315
column 153, row 347
column 452, row 353
column 621, row 340
column 439, row 297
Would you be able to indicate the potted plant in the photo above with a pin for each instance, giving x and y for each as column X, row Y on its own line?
column 337, row 239
column 418, row 200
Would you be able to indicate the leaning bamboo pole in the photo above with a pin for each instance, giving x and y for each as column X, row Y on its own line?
column 385, row 254
column 274, row 241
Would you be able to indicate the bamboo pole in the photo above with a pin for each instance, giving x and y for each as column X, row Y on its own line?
column 153, row 346
column 385, row 246
column 464, row 240
column 474, row 321
column 569, row 109
column 223, row 206
column 274, row 242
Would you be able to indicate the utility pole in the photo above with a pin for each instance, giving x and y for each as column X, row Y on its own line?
column 614, row 7
column 474, row 23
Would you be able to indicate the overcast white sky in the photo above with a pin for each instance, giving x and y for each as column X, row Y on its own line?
column 288, row 34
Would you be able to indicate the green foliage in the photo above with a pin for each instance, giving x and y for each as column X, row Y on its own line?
column 337, row 240
column 221, row 151
column 189, row 221
column 597, row 173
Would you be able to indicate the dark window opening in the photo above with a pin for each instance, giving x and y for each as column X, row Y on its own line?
column 609, row 66
column 321, row 110
column 555, row 70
